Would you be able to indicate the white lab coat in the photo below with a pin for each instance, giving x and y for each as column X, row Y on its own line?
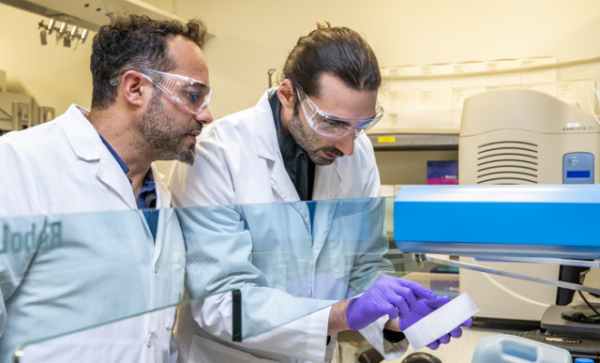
column 108, row 266
column 238, row 162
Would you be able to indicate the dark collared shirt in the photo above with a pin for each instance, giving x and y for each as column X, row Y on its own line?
column 146, row 199
column 298, row 164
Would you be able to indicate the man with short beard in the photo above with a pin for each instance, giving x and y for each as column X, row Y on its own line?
column 303, row 141
column 150, row 96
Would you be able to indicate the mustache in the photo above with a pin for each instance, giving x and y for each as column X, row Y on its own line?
column 332, row 150
column 198, row 127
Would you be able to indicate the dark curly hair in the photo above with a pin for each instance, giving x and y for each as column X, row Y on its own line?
column 134, row 42
column 338, row 51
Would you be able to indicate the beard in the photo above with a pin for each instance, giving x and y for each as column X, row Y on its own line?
column 308, row 139
column 163, row 135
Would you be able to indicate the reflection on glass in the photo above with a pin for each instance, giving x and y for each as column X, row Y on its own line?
column 86, row 273
column 64, row 273
column 288, row 260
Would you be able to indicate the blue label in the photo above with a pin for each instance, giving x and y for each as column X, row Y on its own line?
column 578, row 174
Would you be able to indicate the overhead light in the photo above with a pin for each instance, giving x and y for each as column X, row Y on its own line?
column 50, row 26
column 74, row 32
column 67, row 35
column 62, row 28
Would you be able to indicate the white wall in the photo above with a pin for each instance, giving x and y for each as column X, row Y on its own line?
column 54, row 75
column 253, row 36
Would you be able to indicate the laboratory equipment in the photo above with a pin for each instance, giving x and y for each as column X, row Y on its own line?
column 516, row 136
column 17, row 111
column 516, row 223
column 511, row 349
column 499, row 220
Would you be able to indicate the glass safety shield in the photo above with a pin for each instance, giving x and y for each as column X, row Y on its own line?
column 98, row 286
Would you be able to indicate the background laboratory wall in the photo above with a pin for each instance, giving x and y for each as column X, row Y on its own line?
column 55, row 76
column 259, row 34
column 253, row 36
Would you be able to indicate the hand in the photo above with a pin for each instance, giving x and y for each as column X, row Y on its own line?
column 424, row 308
column 390, row 296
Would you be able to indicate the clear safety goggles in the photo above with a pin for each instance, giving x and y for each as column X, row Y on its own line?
column 191, row 94
column 331, row 125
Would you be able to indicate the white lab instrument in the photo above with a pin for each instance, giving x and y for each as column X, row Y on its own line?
column 516, row 136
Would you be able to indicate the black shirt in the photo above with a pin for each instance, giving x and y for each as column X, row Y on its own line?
column 298, row 164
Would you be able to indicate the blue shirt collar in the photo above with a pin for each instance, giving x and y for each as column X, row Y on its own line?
column 117, row 157
column 148, row 186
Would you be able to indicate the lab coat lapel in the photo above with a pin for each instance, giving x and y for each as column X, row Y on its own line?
column 87, row 145
column 111, row 174
column 163, row 202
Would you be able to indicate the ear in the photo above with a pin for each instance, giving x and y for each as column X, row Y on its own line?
column 287, row 94
column 135, row 88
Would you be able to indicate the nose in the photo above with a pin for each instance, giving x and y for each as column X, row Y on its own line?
column 346, row 144
column 204, row 116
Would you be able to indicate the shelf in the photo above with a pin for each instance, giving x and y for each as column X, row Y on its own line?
column 494, row 73
column 406, row 142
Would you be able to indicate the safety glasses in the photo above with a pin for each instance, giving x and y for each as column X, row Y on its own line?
column 331, row 125
column 193, row 95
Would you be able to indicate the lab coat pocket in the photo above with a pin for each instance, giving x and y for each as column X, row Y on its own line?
column 207, row 351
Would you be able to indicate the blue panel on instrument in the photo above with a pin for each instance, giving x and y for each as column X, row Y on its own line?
column 516, row 220
column 578, row 168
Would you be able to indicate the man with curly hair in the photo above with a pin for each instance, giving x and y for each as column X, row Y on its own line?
column 150, row 96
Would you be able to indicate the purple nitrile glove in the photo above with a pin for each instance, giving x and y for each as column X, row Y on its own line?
column 388, row 296
column 424, row 308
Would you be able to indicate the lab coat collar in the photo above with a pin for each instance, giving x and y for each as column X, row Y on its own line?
column 87, row 145
column 265, row 132
column 82, row 136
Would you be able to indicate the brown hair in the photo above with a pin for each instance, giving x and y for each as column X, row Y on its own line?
column 338, row 51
